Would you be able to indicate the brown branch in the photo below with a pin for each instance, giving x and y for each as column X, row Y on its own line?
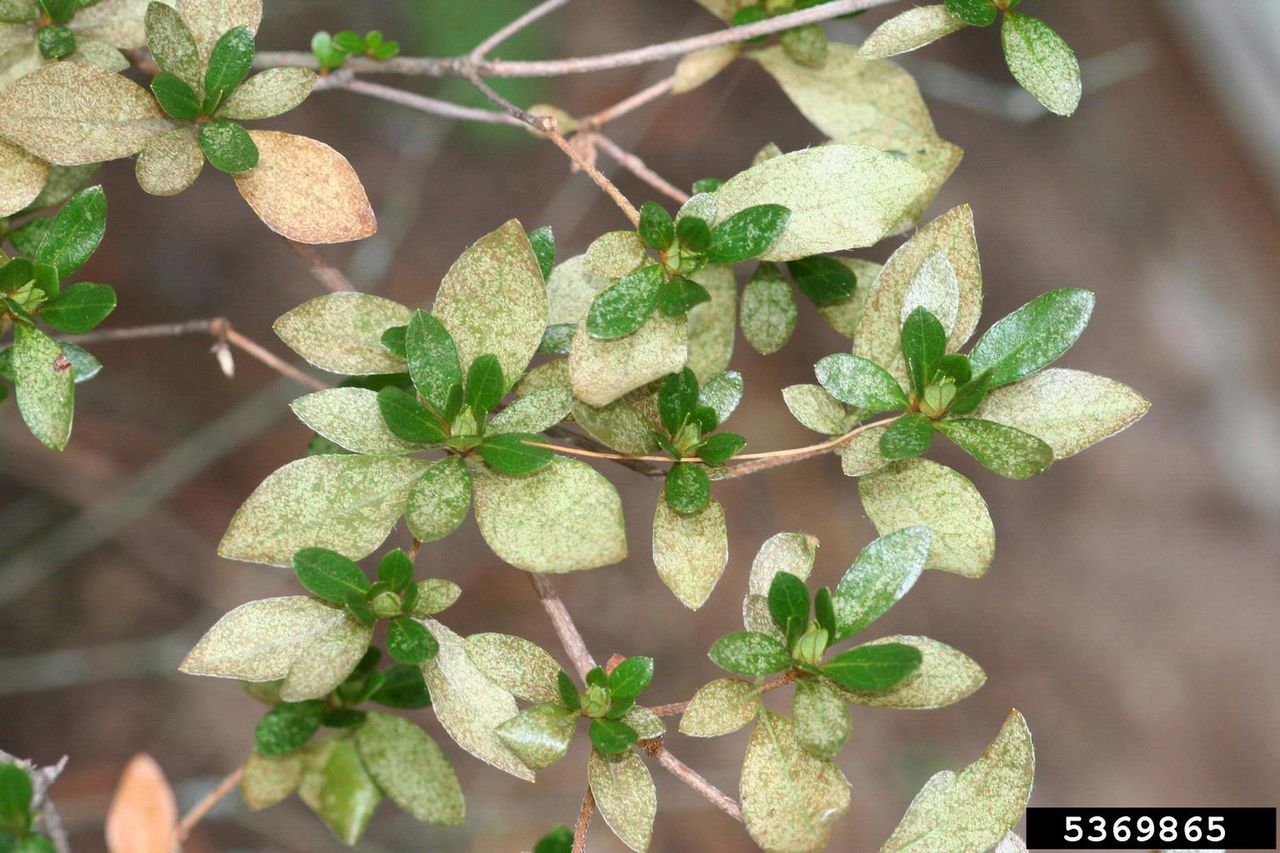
column 698, row 782
column 323, row 271
column 484, row 48
column 584, row 822
column 422, row 103
column 566, row 630
column 626, row 105
column 637, row 167
column 596, row 175
column 202, row 808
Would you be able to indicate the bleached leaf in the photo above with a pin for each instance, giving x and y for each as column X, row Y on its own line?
column 720, row 707
column 170, row 162
column 342, row 333
column 516, row 665
column 603, row 371
column 118, row 23
column 690, row 552
column 861, row 455
column 625, row 795
column 45, row 382
column 1041, row 62
column 909, row 30
column 812, row 406
column 711, row 324
column 268, row 779
column 411, row 769
column 793, row 553
column 616, row 253
column 22, row 176
column 270, row 93
column 627, row 424
column 209, row 19
column 944, row 677
column 350, row 418
column 144, row 812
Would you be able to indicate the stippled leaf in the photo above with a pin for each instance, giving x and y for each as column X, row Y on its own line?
column 274, row 91
column 1033, row 336
column 516, row 665
column 909, row 30
column 821, row 718
column 268, row 779
column 690, row 552
column 768, row 312
column 350, row 418
column 720, row 707
column 533, row 413
column 170, row 162
column 411, row 769
column 750, row 653
column 812, row 406
column 625, row 795
column 45, row 383
column 603, row 371
column 22, row 176
column 884, row 572
column 540, row 735
column 945, row 676
column 615, row 254
column 860, row 382
column 1041, row 62
column 342, row 332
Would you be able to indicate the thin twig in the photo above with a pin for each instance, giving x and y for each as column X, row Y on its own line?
column 673, row 708
column 698, row 782
column 464, row 67
column 596, row 175
column 566, row 630
column 626, row 105
column 546, row 124
column 269, row 358
column 323, row 271
column 584, row 822
column 484, row 48
column 422, row 103
column 637, row 167
column 191, row 818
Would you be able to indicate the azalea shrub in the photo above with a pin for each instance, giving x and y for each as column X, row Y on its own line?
column 533, row 376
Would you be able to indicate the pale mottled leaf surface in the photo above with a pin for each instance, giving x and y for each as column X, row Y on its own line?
column 261, row 640
column 789, row 798
column 840, row 197
column 1041, row 62
column 722, row 392
column 793, row 553
column 603, row 371
column 118, row 23
column 493, row 301
column 646, row 724
column 719, row 707
column 411, row 769
column 812, row 406
column 170, row 162
column 571, row 288
column 845, row 315
column 468, row 704
column 935, row 288
column 533, row 413
column 625, row 795
column 690, row 552
column 768, row 313
column 270, row 93
column 209, row 19
column 516, row 665
column 909, row 30
column 821, row 718
column 326, row 660
column 1067, row 409
column 350, row 418
column 972, row 810
column 342, row 332
column 884, row 572
column 173, row 45
column 711, row 324
column 305, row 191
column 920, row 492
column 71, row 113
column 861, row 455
column 627, row 424
column 268, row 779
column 45, row 383
column 22, row 176
column 345, row 503
column 564, row 517
column 616, row 253
column 540, row 735
column 439, row 500
column 944, row 677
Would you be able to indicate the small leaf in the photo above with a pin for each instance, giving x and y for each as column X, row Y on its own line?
column 924, row 343
column 686, row 488
column 511, row 453
column 540, row 735
column 407, row 418
column 721, row 448
column 170, row 163
column 1041, row 62
column 625, row 795
column 172, row 44
column 624, row 306
column 543, row 242
column 690, row 552
column 1033, row 336
column 873, row 667
column 945, row 676
column 269, row 779
column 347, row 795
column 75, row 232
column 287, row 726
column 698, row 67
column 175, row 97
column 396, row 570
column 329, row 575
column 908, row 436
column 1007, row 451
column 350, row 418
column 824, row 280
column 433, row 359
column 516, row 665
column 750, row 653
column 79, row 308
column 722, row 393
column 485, row 385
column 269, row 94
column 228, row 65
column 534, row 412
column 861, row 383
column 611, row 736
column 227, row 146
column 630, row 678
column 884, row 572
column 747, row 233
column 656, row 227
column 821, row 718
column 720, row 707
column 616, row 254
column 22, row 177
column 439, row 500
column 45, row 382
column 694, row 233
column 909, row 30
column 402, row 687
column 789, row 606
column 411, row 769
column 408, row 642
column 812, row 406
column 678, row 295
column 768, row 312
column 15, row 794
column 558, row 840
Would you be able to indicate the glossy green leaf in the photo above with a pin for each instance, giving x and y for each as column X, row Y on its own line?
column 433, row 359
column 694, row 233
column 79, row 308
column 747, row 233
column 175, row 97
column 789, row 606
column 511, row 453
column 945, row 676
column 924, row 343
column 227, row 146
column 411, row 769
column 558, row 840
column 721, row 448
column 408, row 642
column 485, row 385
column 1033, row 336
column 228, row 65
column 329, row 575
column 873, row 667
column 979, row 13
column 1007, row 451
column 860, row 382
column 656, row 227
column 348, row 795
column 750, row 653
column 75, row 233
column 611, row 737
column 678, row 295
column 824, row 280
column 543, row 242
column 1041, row 62
column 884, row 572
column 625, row 305
column 630, row 678
column 287, row 726
column 906, row 437
column 407, row 418
column 686, row 488
column 677, row 399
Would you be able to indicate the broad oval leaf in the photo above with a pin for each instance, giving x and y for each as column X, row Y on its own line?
column 615, row 254
column 209, row 19
column 173, row 45
column 342, row 333
column 821, row 718
column 861, row 454
column 812, row 406
column 1041, row 62
column 919, row 492
column 1033, row 336
column 540, row 735
column 268, row 779
column 793, row 553
column 268, row 94
column 840, row 197
column 341, row 791
column 944, row 677
column 516, row 665
column 305, row 191
column 170, row 162
column 884, row 572
column 690, row 552
column 533, row 413
column 439, row 500
column 860, row 382
column 625, row 795
column 603, row 371
column 45, row 383
column 493, row 301
column 1009, row 452
column 698, row 67
column 909, row 30
column 750, row 653
column 768, row 312
column 565, row 517
column 350, row 418
column 720, row 707
column 345, row 503
column 411, row 769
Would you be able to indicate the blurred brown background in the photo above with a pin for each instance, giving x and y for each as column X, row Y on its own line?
column 1129, row 613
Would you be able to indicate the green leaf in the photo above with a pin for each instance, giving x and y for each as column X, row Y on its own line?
column 750, row 653
column 563, row 518
column 568, row 691
column 536, row 411
column 906, row 437
column 433, row 359
column 768, row 312
column 543, row 242
column 79, row 308
column 83, row 364
column 558, row 840
column 840, row 196
column 434, row 595
column 624, row 793
column 329, row 575
column 909, row 30
column 347, row 503
column 690, row 552
column 269, row 779
column 175, row 97
column 227, row 146
column 924, row 342
column 821, row 718
column 516, row 665
column 721, row 448
column 403, row 687
column 411, row 769
column 15, row 795
column 747, row 233
column 468, row 705
column 439, row 500
column 1067, row 409
column 75, row 232
column 656, row 227
column 694, row 233
column 287, row 726
column 860, row 383
column 979, row 13
column 511, row 453
column 625, row 305
column 408, row 642
column 347, row 795
column 789, row 606
column 269, row 94
column 493, row 300
column 540, row 735
column 686, row 488
column 630, row 678
column 396, row 569
column 603, row 371
column 884, row 572
column 45, row 386
column 311, row 645
column 873, row 667
column 350, row 418
column 789, row 798
column 677, row 399
column 407, row 418
column 485, row 385
column 972, row 810
column 678, row 295
column 720, row 707
column 228, row 65
column 1041, row 62
column 1033, row 336
column 824, row 280
column 342, row 333
column 172, row 44
column 612, row 736
column 1007, row 451
column 945, row 677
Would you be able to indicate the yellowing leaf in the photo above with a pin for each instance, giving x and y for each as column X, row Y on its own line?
column 268, row 779
column 118, row 23
column 711, row 324
column 411, row 769
column 909, row 30
column 603, row 371
column 170, row 162
column 342, row 333
column 22, row 176
column 209, row 19
column 690, row 551
column 45, row 382
column 625, row 795
column 70, row 113
column 944, row 677
column 305, row 191
column 144, row 813
column 719, row 707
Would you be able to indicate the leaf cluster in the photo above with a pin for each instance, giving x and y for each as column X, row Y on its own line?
column 17, row 817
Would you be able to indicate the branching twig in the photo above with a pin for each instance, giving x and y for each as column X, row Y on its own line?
column 639, row 99
column 637, row 167
column 202, row 808
column 584, row 822
column 422, row 103
column 484, row 48
column 698, row 782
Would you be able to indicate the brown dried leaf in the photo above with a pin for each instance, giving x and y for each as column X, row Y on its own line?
column 144, row 812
